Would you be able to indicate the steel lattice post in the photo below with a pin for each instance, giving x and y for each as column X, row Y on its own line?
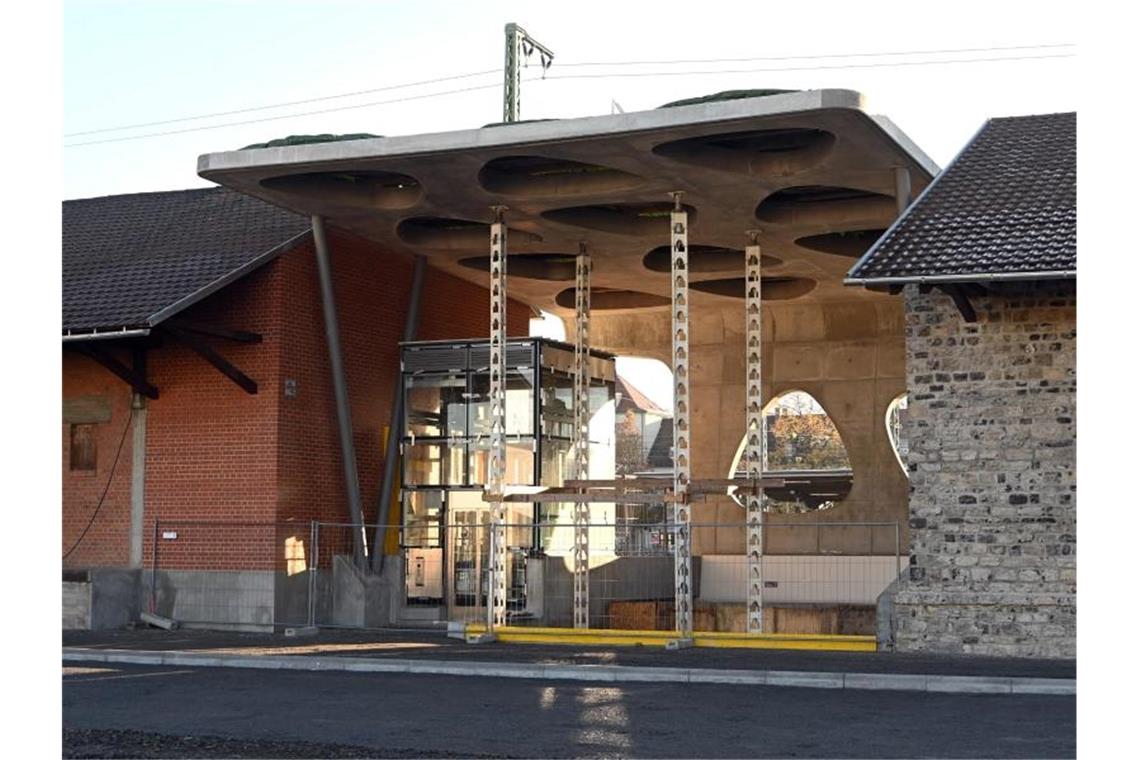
column 496, row 468
column 581, row 441
column 754, row 427
column 682, row 518
column 512, row 74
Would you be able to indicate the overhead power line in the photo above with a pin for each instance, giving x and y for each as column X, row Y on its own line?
column 282, row 105
column 816, row 57
column 270, row 106
column 892, row 64
column 603, row 75
column 285, row 116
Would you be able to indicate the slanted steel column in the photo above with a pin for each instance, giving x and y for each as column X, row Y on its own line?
column 340, row 391
column 581, row 442
column 754, row 427
column 682, row 517
column 497, row 461
column 396, row 421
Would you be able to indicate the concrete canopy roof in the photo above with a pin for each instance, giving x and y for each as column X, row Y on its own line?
column 811, row 169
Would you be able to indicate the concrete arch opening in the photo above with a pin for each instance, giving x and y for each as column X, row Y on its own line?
column 801, row 438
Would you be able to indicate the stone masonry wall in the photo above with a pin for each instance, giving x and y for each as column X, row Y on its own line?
column 992, row 432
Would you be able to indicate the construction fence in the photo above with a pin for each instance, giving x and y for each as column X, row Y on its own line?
column 818, row 577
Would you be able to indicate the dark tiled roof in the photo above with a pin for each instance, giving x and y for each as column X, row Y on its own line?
column 1006, row 205
column 127, row 259
column 661, row 452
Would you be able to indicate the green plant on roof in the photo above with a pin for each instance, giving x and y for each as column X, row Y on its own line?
column 282, row 142
column 726, row 95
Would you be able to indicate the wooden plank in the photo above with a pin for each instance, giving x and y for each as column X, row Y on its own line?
column 86, row 409
column 591, row 498
column 661, row 484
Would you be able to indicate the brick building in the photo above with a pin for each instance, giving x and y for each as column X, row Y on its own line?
column 986, row 263
column 163, row 294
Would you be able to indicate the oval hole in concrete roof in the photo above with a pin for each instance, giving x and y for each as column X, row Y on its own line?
column 766, row 152
column 620, row 218
column 453, row 234
column 704, row 258
column 850, row 243
column 771, row 288
column 361, row 189
column 826, row 206
column 557, row 267
column 536, row 176
column 607, row 299
column 800, row 437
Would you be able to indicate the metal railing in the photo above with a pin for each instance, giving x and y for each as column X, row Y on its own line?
column 817, row 577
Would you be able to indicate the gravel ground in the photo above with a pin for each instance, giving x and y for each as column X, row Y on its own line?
column 139, row 744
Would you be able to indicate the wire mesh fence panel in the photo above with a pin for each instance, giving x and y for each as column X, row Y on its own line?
column 237, row 575
column 821, row 577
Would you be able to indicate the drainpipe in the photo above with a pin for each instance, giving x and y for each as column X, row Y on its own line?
column 138, row 466
column 396, row 420
column 340, row 390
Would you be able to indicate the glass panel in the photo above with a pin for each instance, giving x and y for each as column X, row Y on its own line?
column 557, row 404
column 555, row 462
column 434, row 463
column 436, row 405
column 520, row 403
column 520, row 462
column 422, row 510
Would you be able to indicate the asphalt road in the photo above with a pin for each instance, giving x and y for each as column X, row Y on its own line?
column 257, row 713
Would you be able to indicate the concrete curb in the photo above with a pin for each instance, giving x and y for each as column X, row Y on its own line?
column 610, row 673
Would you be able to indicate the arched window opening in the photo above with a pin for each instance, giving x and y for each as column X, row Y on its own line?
column 803, row 445
column 896, row 430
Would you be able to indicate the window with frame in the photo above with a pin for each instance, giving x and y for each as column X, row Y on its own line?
column 83, row 457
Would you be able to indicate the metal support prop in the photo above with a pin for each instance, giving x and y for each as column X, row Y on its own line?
column 682, row 517
column 496, row 467
column 581, row 442
column 340, row 391
column 396, row 420
column 754, row 426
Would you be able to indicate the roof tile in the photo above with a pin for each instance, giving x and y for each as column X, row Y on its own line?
column 128, row 257
column 1006, row 205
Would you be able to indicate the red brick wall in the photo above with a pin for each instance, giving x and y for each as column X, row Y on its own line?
column 372, row 290
column 211, row 447
column 106, row 543
column 216, row 453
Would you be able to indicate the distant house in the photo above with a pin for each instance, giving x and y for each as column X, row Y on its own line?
column 986, row 262
column 639, row 422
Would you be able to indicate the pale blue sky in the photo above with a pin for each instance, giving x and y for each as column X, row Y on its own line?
column 131, row 62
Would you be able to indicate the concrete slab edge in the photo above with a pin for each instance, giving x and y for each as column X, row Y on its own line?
column 608, row 673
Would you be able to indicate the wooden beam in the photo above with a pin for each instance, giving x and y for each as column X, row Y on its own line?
column 697, row 485
column 962, row 301
column 198, row 346
column 137, row 380
column 239, row 336
column 613, row 497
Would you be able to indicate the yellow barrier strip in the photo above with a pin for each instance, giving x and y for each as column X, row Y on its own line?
column 614, row 637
